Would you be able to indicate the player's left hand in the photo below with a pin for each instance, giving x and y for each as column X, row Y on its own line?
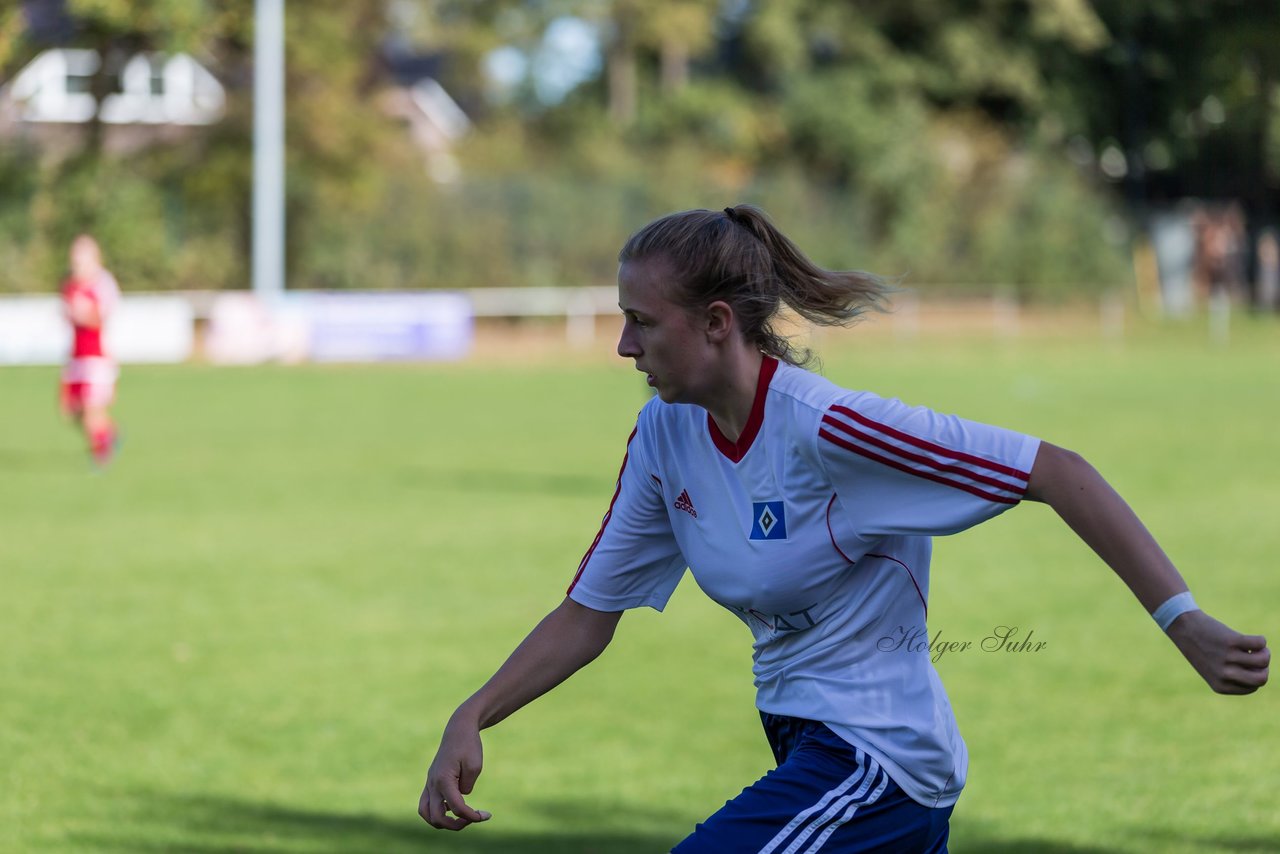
column 1232, row 663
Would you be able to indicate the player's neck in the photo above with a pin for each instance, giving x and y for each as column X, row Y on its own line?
column 731, row 401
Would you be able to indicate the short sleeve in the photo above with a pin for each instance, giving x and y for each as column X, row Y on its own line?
column 107, row 293
column 899, row 469
column 634, row 559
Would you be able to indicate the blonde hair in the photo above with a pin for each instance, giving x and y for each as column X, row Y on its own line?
column 738, row 256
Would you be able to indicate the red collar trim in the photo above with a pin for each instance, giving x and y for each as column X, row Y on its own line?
column 735, row 451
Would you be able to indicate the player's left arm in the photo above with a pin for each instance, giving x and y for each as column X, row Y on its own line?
column 1231, row 662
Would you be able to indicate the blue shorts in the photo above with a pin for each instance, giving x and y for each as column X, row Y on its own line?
column 825, row 796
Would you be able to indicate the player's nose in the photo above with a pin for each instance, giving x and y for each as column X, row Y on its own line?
column 628, row 346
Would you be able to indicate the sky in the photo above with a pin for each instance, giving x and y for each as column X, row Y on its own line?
column 567, row 56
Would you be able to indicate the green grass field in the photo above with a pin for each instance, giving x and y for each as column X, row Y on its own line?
column 247, row 635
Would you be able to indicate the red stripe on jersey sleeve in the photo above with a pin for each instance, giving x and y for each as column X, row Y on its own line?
column 849, row 446
column 607, row 516
column 1016, row 488
column 930, row 446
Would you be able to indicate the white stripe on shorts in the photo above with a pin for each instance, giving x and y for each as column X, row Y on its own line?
column 95, row 370
column 848, row 814
column 829, row 805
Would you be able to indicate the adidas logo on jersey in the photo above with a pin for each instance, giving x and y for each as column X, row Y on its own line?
column 683, row 503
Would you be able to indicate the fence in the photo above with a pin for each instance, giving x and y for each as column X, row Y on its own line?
column 176, row 327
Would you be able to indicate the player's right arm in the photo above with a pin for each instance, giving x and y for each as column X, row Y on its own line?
column 566, row 640
column 633, row 562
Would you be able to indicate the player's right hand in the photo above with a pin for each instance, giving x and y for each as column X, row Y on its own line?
column 452, row 775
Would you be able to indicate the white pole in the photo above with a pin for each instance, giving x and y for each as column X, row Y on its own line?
column 268, row 148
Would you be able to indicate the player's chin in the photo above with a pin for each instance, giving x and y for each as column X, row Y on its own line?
column 665, row 391
column 670, row 395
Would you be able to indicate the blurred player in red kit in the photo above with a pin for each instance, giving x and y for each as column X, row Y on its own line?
column 89, row 295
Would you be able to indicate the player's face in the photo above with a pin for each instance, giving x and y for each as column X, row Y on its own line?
column 85, row 256
column 667, row 341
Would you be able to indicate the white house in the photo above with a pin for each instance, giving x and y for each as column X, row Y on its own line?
column 153, row 90
column 158, row 97
column 434, row 121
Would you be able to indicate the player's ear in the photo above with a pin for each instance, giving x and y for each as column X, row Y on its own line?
column 718, row 321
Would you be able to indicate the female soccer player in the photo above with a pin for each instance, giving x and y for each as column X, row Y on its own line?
column 807, row 510
column 89, row 295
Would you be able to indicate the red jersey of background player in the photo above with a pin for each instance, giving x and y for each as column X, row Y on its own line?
column 103, row 292
column 89, row 295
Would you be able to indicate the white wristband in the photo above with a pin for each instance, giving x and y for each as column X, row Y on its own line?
column 1173, row 607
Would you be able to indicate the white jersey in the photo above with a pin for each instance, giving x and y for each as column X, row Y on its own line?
column 814, row 529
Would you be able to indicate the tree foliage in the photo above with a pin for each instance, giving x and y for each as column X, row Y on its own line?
column 954, row 141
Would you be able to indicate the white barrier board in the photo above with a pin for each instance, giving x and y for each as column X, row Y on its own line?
column 339, row 327
column 141, row 329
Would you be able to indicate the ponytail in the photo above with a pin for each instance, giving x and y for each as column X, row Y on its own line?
column 739, row 256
